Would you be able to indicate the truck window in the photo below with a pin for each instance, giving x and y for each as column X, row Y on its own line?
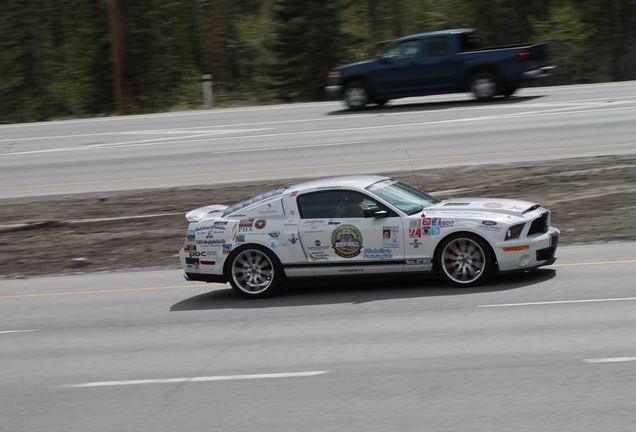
column 438, row 46
column 402, row 51
column 469, row 41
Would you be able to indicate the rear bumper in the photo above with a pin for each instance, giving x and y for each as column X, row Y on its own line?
column 538, row 73
column 333, row 92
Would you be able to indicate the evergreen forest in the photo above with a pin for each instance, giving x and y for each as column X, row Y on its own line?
column 58, row 57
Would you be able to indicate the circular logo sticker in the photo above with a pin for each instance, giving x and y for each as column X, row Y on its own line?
column 346, row 241
column 260, row 224
column 493, row 205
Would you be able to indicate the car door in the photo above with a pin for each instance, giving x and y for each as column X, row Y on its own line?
column 438, row 64
column 338, row 239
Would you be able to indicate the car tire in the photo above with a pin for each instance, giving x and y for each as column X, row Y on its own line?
column 464, row 260
column 356, row 95
column 484, row 86
column 254, row 272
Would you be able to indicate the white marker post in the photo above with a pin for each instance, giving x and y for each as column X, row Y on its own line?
column 207, row 90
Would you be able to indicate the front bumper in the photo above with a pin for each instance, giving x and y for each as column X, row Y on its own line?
column 540, row 252
column 333, row 92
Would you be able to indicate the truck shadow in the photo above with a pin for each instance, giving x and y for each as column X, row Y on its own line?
column 432, row 106
column 356, row 293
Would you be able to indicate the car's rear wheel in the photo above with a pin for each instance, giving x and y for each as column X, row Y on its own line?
column 484, row 86
column 356, row 95
column 254, row 272
column 464, row 260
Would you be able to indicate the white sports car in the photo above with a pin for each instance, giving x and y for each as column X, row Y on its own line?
column 362, row 225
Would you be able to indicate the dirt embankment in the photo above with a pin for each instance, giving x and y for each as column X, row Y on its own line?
column 591, row 199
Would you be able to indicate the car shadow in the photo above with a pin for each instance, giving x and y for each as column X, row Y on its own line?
column 433, row 106
column 298, row 294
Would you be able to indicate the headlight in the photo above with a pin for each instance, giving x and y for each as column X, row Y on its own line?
column 514, row 232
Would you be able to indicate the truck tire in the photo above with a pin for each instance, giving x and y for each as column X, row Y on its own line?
column 381, row 102
column 484, row 86
column 356, row 95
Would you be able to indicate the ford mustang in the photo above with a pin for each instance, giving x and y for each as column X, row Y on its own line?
column 362, row 225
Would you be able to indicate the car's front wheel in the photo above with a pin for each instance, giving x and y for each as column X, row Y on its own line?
column 255, row 272
column 464, row 260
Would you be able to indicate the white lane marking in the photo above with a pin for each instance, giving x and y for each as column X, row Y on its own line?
column 17, row 331
column 292, row 147
column 559, row 302
column 610, row 360
column 197, row 379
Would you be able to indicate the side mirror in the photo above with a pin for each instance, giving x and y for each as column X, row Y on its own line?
column 375, row 212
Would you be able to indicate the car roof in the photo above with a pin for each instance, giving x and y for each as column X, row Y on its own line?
column 352, row 182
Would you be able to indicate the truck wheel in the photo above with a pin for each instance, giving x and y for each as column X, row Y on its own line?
column 356, row 96
column 255, row 272
column 484, row 86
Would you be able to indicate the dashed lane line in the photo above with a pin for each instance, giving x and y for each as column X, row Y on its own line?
column 197, row 379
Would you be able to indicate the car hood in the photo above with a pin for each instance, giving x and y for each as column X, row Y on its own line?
column 510, row 207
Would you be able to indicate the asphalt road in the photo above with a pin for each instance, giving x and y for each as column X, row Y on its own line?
column 553, row 350
column 312, row 140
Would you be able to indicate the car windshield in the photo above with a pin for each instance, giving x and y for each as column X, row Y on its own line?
column 403, row 196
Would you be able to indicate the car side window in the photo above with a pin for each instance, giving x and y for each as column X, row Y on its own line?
column 334, row 204
column 438, row 46
column 403, row 51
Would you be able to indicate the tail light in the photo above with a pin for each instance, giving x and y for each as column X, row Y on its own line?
column 526, row 60
column 333, row 78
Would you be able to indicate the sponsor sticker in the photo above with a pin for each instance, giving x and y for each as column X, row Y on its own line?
column 346, row 241
column 493, row 205
column 390, row 236
column 377, row 253
column 415, row 228
column 260, row 224
column 245, row 225
column 489, row 223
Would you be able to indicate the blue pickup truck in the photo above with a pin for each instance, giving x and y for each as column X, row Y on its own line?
column 441, row 62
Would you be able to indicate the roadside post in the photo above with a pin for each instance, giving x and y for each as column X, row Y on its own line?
column 207, row 90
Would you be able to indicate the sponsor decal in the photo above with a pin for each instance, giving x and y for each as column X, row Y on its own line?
column 245, row 225
column 447, row 224
column 292, row 212
column 334, row 222
column 488, row 227
column 435, row 230
column 426, row 230
column 493, row 205
column 203, row 228
column 415, row 228
column 346, row 241
column 190, row 236
column 275, row 245
column 489, row 223
column 199, row 254
column 293, row 240
column 189, row 247
column 240, row 238
column 227, row 249
column 208, row 242
column 350, row 221
column 416, row 243
column 329, row 187
column 419, row 261
column 274, row 234
column 351, row 270
column 260, row 224
column 192, row 265
column 316, row 222
column 293, row 194
column 268, row 210
column 426, row 221
column 390, row 236
column 319, row 256
column 377, row 253
column 436, row 221
column 290, row 222
column 317, row 243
